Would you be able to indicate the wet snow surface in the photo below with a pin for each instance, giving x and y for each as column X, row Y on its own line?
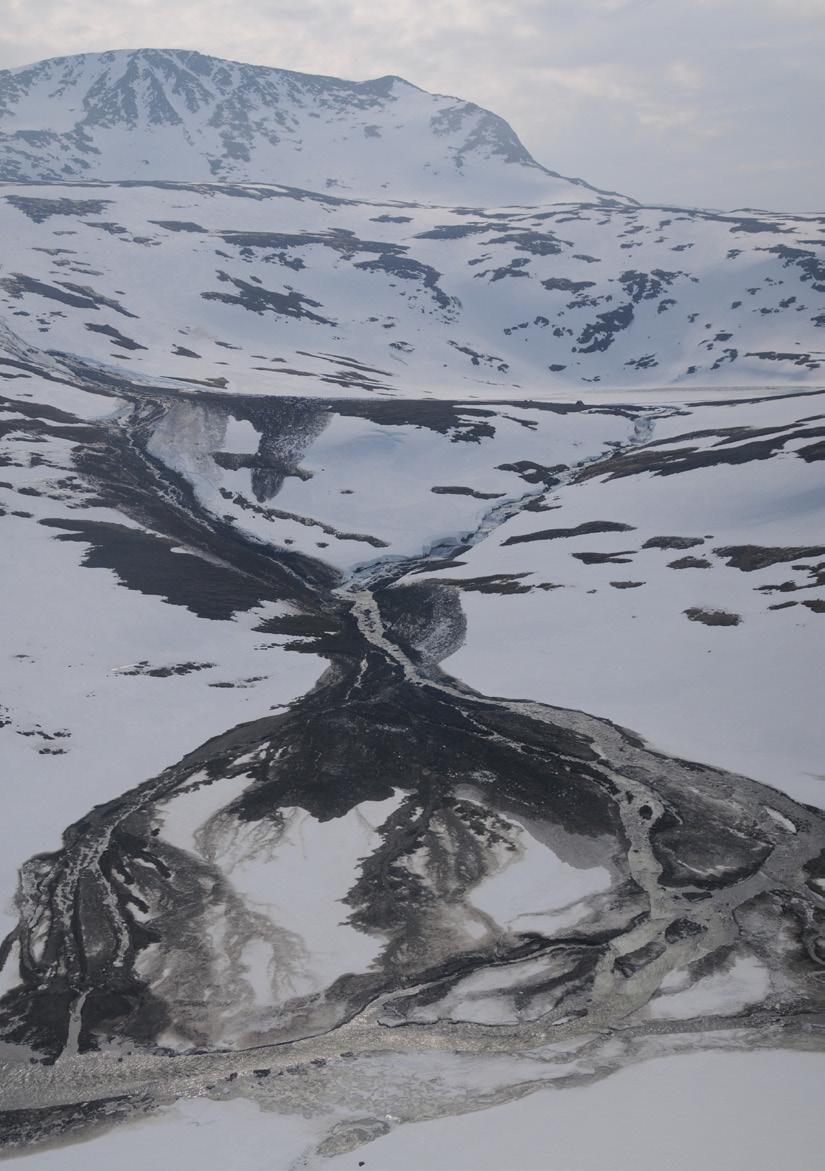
column 319, row 783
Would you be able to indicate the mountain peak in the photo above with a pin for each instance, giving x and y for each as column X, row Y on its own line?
column 176, row 114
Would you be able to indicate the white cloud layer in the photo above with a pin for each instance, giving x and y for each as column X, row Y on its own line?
column 711, row 102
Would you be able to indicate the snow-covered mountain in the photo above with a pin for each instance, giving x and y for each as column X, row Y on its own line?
column 178, row 218
column 170, row 114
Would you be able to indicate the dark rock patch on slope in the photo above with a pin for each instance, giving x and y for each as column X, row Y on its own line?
column 590, row 526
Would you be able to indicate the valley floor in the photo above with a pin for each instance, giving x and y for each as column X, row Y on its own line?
column 404, row 783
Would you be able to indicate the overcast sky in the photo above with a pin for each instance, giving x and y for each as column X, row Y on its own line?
column 716, row 103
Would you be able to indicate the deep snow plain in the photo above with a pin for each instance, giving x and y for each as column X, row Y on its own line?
column 412, row 643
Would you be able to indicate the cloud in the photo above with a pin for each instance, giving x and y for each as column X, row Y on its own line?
column 684, row 75
column 669, row 100
column 594, row 81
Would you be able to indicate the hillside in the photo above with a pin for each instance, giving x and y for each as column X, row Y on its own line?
column 261, row 289
column 171, row 114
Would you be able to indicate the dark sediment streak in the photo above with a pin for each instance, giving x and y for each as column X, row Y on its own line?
column 704, row 865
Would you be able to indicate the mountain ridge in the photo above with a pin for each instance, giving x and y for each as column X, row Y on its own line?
column 179, row 114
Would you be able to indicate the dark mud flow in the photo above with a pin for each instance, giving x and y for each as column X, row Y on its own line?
column 138, row 948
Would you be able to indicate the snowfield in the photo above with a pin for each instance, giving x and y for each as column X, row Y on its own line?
column 262, row 289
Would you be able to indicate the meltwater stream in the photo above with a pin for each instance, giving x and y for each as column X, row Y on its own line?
column 451, row 873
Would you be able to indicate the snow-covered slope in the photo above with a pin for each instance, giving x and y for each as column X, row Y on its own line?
column 170, row 114
column 266, row 289
column 185, row 219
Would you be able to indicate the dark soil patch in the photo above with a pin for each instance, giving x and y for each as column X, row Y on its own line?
column 689, row 563
column 449, row 490
column 590, row 526
column 622, row 558
column 750, row 557
column 713, row 617
column 673, row 542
